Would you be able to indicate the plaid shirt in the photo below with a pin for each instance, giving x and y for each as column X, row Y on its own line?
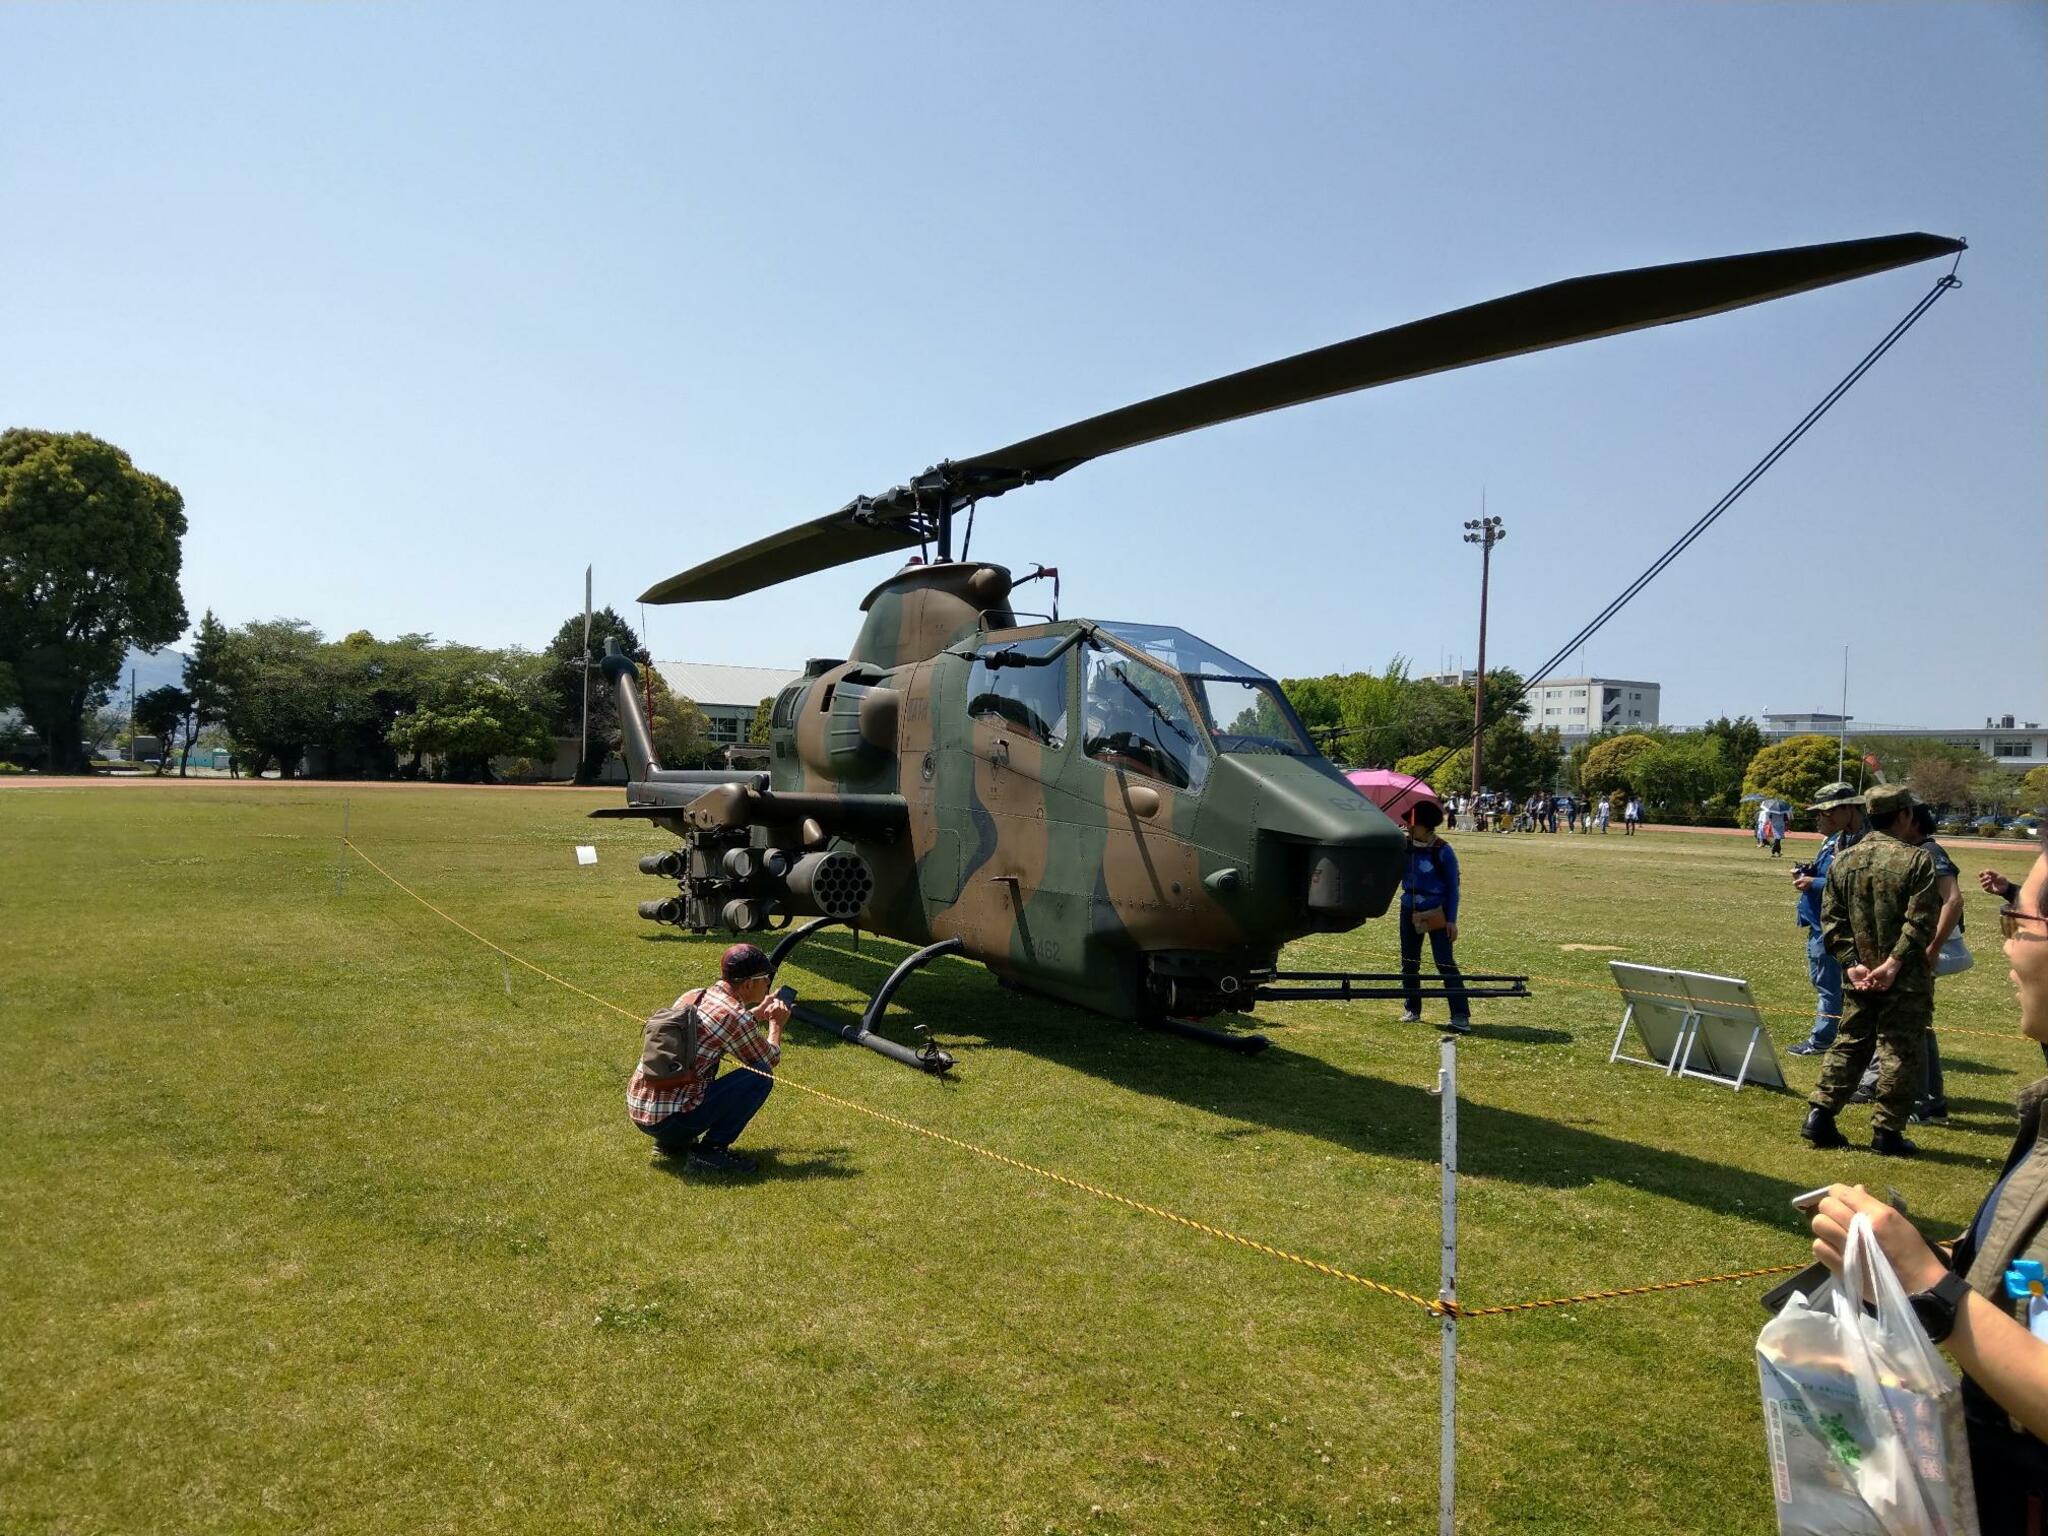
column 726, row 1027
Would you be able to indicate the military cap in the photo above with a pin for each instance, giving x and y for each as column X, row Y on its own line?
column 1834, row 796
column 1881, row 802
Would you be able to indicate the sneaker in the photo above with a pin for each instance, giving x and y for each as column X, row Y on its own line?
column 1457, row 1027
column 677, row 1149
column 708, row 1159
column 1807, row 1048
column 1864, row 1094
column 1931, row 1112
column 1410, row 1016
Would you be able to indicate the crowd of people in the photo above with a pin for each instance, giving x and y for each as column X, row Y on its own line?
column 1542, row 811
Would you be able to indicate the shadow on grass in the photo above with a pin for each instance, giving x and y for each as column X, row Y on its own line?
column 1286, row 1090
column 828, row 1164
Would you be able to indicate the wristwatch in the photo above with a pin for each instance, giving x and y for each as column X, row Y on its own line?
column 1936, row 1307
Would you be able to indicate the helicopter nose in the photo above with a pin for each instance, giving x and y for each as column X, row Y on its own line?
column 1347, row 882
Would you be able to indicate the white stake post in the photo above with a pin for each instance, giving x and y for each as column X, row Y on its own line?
column 341, row 857
column 1447, row 1292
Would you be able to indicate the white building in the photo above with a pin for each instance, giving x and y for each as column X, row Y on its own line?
column 1580, row 706
column 725, row 696
column 2011, row 743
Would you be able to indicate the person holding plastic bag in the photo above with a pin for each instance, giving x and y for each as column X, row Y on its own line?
column 1995, row 1323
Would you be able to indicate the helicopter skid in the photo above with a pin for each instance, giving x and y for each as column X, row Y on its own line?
column 1242, row 1045
column 1350, row 986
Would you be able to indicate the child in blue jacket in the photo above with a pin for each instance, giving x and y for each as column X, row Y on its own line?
column 1429, row 904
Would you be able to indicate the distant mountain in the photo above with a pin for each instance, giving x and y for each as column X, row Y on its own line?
column 152, row 669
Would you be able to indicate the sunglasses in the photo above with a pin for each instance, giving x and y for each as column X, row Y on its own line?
column 2010, row 918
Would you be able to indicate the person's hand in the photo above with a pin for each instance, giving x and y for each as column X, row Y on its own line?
column 1801, row 882
column 1857, row 977
column 1933, row 956
column 1994, row 883
column 1451, row 932
column 1917, row 1265
column 774, row 1012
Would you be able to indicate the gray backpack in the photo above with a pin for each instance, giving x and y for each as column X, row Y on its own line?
column 668, row 1052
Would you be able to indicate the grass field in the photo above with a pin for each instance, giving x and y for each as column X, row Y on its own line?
column 319, row 1218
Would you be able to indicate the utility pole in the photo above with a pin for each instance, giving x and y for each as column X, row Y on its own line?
column 1485, row 532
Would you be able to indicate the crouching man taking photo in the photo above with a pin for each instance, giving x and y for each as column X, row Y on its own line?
column 676, row 1095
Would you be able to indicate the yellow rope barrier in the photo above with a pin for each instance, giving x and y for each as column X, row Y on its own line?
column 1430, row 1305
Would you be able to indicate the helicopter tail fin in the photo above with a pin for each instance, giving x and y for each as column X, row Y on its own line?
column 619, row 671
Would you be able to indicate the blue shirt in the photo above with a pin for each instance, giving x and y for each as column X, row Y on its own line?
column 1431, row 879
column 1809, row 899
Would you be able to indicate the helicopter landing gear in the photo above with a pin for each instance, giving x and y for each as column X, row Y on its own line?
column 1243, row 1045
column 928, row 1058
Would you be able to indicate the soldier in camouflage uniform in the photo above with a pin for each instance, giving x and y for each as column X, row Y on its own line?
column 1877, row 918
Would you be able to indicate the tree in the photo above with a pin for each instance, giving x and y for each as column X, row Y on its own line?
column 2034, row 787
column 1452, row 776
column 89, row 556
column 1519, row 760
column 1680, row 775
column 758, row 732
column 678, row 729
column 166, row 713
column 561, row 685
column 1793, row 769
column 1611, row 765
column 1944, row 780
column 470, row 721
column 206, row 680
column 275, row 692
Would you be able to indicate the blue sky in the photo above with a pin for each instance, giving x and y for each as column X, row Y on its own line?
column 425, row 307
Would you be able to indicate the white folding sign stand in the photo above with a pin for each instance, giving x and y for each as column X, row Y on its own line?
column 1695, row 1025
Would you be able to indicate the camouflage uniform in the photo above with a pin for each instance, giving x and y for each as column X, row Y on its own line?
column 1880, row 900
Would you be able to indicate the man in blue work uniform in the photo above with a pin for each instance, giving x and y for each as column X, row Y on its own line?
column 1838, row 812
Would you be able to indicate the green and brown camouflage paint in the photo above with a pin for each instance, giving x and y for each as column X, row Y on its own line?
column 1078, row 876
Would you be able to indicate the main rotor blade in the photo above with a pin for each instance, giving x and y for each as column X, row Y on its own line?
column 814, row 546
column 1579, row 309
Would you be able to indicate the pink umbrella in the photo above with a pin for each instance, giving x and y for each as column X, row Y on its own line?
column 1395, row 793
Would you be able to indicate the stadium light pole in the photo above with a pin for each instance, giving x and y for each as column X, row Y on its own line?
column 1485, row 532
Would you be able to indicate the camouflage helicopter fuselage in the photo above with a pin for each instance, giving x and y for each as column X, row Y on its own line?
column 1136, row 873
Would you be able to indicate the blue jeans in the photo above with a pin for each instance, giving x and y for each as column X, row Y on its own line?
column 1411, row 969
column 727, row 1106
column 1825, row 972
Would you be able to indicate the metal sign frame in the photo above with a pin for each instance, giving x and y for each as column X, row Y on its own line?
column 1695, row 1024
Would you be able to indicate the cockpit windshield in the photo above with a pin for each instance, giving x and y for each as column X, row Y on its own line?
column 1243, row 708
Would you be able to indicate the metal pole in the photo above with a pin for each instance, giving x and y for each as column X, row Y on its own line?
column 341, row 858
column 1447, row 1292
column 1485, row 532
column 1842, row 740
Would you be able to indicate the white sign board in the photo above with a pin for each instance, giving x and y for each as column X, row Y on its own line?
column 1695, row 1025
column 585, row 854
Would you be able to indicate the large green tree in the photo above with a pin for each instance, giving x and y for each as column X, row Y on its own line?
column 1793, row 769
column 470, row 719
column 277, row 691
column 1611, row 765
column 1685, row 774
column 89, row 554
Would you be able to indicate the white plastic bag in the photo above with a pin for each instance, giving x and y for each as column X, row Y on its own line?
column 1863, row 1417
column 1954, row 957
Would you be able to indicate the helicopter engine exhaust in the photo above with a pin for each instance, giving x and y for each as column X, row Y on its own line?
column 725, row 881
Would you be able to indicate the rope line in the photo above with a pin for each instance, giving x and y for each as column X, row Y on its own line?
column 1624, row 1290
column 1434, row 1306
column 1222, row 1234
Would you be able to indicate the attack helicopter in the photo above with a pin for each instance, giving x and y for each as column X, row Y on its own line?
column 1120, row 816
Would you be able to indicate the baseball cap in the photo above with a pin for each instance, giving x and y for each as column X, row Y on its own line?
column 1830, row 796
column 743, row 962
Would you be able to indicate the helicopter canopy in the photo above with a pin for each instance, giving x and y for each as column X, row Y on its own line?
column 1243, row 709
